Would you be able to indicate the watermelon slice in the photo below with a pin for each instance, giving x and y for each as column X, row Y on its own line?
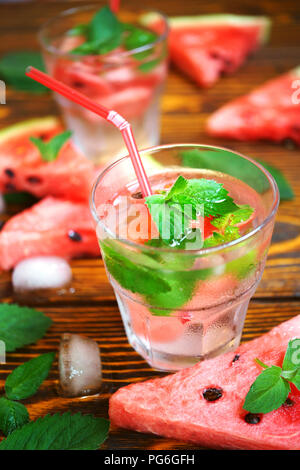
column 174, row 406
column 205, row 47
column 269, row 112
column 50, row 227
column 22, row 168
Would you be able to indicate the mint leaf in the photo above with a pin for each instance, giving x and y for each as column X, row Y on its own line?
column 132, row 275
column 187, row 199
column 78, row 30
column 291, row 359
column 26, row 379
column 226, row 162
column 49, row 150
column 241, row 267
column 242, row 214
column 230, row 233
column 212, row 195
column 13, row 415
column 285, row 189
column 59, row 432
column 178, row 187
column 104, row 33
column 268, row 392
column 104, row 26
column 138, row 37
column 20, row 326
column 13, row 66
column 164, row 279
column 291, row 362
column 226, row 225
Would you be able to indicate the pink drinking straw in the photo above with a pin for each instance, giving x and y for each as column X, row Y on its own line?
column 114, row 5
column 110, row 116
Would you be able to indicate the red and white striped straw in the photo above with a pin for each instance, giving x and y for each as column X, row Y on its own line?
column 110, row 116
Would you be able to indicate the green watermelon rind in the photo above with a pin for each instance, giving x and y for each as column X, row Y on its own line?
column 215, row 20
column 27, row 127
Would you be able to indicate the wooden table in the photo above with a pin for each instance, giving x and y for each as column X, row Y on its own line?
column 90, row 308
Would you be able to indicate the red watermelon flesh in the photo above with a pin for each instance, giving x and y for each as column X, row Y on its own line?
column 22, row 168
column 205, row 47
column 174, row 406
column 268, row 112
column 44, row 230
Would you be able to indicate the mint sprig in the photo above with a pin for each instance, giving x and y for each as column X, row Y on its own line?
column 185, row 201
column 13, row 415
column 227, row 226
column 272, row 387
column 25, row 380
column 105, row 32
column 49, row 150
column 59, row 432
column 20, row 326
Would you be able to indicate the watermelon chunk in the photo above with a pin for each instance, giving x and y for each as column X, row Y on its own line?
column 51, row 227
column 174, row 406
column 22, row 168
column 205, row 47
column 269, row 112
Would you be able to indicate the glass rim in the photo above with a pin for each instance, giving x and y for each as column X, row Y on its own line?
column 202, row 251
column 70, row 11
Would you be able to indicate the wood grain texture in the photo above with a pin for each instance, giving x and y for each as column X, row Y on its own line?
column 88, row 306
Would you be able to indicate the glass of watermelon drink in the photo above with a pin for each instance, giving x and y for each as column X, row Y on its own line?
column 124, row 69
column 183, row 293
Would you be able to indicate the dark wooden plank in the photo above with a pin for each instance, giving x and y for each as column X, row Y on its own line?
column 121, row 365
column 88, row 306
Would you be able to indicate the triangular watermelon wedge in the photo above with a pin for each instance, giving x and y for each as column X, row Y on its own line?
column 174, row 406
column 51, row 227
column 208, row 46
column 22, row 169
column 271, row 112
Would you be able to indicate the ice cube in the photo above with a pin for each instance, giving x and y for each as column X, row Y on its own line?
column 41, row 272
column 79, row 366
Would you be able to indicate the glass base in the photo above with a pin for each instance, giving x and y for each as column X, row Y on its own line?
column 180, row 340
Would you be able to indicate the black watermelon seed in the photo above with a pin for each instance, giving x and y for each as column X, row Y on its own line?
column 212, row 394
column 236, row 358
column 34, row 180
column 252, row 418
column 43, row 136
column 137, row 195
column 10, row 187
column 78, row 84
column 1, row 224
column 288, row 402
column 74, row 236
column 10, row 173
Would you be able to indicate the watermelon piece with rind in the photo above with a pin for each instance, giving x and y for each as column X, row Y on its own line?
column 45, row 229
column 69, row 176
column 268, row 112
column 174, row 406
column 205, row 47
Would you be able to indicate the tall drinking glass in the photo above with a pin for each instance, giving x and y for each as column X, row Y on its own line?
column 181, row 306
column 129, row 81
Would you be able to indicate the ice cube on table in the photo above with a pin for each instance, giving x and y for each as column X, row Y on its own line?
column 79, row 366
column 41, row 272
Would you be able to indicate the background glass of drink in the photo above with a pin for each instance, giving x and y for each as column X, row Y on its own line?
column 130, row 82
column 182, row 306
